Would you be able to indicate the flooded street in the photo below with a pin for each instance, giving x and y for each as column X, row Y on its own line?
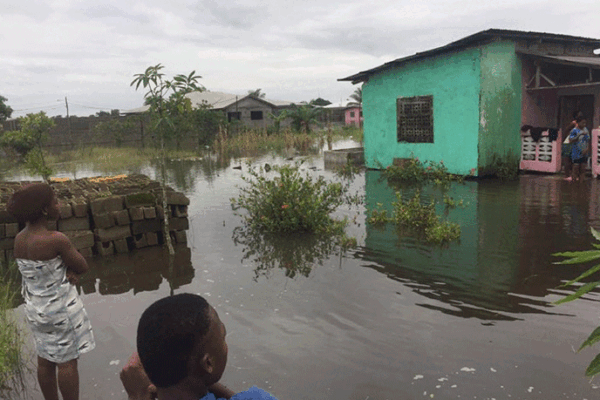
column 392, row 319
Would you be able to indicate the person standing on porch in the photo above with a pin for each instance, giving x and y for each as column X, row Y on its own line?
column 566, row 150
column 580, row 139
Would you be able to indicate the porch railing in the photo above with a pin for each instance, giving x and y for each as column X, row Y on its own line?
column 543, row 155
column 595, row 160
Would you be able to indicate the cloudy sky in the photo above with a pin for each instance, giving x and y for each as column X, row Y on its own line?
column 88, row 51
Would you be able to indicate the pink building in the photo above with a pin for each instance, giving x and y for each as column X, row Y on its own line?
column 354, row 115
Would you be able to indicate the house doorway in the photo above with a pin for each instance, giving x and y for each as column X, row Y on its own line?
column 572, row 104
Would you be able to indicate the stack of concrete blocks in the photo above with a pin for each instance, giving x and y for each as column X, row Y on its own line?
column 8, row 230
column 74, row 221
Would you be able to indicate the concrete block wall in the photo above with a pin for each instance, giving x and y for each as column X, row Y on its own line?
column 106, row 215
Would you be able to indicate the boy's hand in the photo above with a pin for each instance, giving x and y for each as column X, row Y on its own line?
column 135, row 381
column 72, row 277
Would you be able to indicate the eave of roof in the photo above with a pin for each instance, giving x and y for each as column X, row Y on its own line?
column 479, row 37
column 593, row 62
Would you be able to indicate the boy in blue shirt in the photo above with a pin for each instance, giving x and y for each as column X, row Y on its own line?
column 580, row 139
column 182, row 354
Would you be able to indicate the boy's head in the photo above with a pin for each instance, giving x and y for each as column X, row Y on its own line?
column 580, row 122
column 32, row 202
column 182, row 336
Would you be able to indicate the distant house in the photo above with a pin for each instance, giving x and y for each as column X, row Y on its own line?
column 343, row 113
column 465, row 102
column 250, row 110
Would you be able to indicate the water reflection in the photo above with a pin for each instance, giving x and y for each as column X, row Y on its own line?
column 502, row 266
column 142, row 270
column 297, row 254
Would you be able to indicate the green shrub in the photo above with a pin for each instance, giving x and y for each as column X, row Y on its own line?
column 415, row 171
column 290, row 202
column 504, row 167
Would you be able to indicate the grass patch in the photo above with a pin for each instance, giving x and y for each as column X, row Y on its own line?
column 256, row 142
column 418, row 218
column 415, row 171
column 13, row 363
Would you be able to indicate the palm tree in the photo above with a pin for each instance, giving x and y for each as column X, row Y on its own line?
column 303, row 116
column 357, row 95
column 257, row 93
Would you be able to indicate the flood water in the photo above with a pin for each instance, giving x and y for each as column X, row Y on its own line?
column 392, row 319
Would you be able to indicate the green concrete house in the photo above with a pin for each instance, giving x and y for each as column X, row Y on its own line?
column 464, row 103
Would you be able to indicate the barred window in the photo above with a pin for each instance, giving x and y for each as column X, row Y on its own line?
column 256, row 115
column 415, row 119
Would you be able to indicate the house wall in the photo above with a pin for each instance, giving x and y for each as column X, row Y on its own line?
column 453, row 80
column 246, row 106
column 351, row 119
column 500, row 104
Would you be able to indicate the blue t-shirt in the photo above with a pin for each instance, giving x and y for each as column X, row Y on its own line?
column 581, row 144
column 253, row 393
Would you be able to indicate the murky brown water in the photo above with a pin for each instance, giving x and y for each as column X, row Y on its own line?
column 394, row 319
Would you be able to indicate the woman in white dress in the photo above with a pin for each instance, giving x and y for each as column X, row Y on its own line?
column 49, row 265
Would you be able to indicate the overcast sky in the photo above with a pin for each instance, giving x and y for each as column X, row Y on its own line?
column 88, row 51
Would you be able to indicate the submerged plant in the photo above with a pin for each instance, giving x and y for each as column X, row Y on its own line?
column 415, row 171
column 580, row 257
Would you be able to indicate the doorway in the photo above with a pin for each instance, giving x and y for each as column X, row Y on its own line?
column 573, row 104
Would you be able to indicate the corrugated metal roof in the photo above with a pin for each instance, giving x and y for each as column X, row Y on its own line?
column 479, row 37
column 215, row 101
column 593, row 62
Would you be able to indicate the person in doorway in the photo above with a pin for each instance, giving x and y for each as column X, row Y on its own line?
column 567, row 147
column 49, row 263
column 580, row 140
column 182, row 354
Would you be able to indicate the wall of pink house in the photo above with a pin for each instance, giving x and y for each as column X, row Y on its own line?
column 353, row 116
column 540, row 108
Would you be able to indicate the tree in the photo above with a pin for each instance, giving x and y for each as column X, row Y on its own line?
column 167, row 103
column 303, row 116
column 5, row 110
column 102, row 114
column 257, row 93
column 357, row 95
column 320, row 102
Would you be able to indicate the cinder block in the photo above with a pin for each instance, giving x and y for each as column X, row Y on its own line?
column 11, row 229
column 7, row 244
column 74, row 224
column 65, row 210
column 81, row 239
column 160, row 212
column 80, row 208
column 177, row 198
column 106, row 204
column 179, row 224
column 149, row 212
column 6, row 217
column 121, row 217
column 152, row 238
column 140, row 241
column 180, row 236
column 180, row 211
column 136, row 213
column 114, row 233
column 103, row 220
column 121, row 246
column 139, row 199
column 105, row 248
column 87, row 252
column 2, row 231
column 147, row 225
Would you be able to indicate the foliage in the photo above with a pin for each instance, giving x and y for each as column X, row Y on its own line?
column 18, row 141
column 504, row 167
column 277, row 120
column 206, row 125
column 115, row 128
column 35, row 164
column 303, row 117
column 580, row 257
column 255, row 142
column 357, row 95
column 5, row 110
column 320, row 102
column 415, row 171
column 289, row 202
column 418, row 218
column 13, row 362
column 112, row 113
column 449, row 202
column 257, row 93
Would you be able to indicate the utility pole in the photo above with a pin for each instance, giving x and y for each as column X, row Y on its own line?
column 68, row 119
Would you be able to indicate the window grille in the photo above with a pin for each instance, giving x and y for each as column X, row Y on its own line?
column 415, row 119
column 256, row 115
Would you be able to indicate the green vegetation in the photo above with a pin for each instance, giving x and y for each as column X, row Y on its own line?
column 415, row 171
column 28, row 142
column 13, row 363
column 5, row 110
column 504, row 167
column 417, row 218
column 581, row 257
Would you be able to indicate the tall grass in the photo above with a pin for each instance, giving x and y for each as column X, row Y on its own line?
column 13, row 362
column 255, row 142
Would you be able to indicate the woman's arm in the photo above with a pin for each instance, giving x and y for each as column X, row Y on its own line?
column 69, row 254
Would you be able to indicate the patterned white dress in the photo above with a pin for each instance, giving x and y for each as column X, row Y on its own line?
column 60, row 326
